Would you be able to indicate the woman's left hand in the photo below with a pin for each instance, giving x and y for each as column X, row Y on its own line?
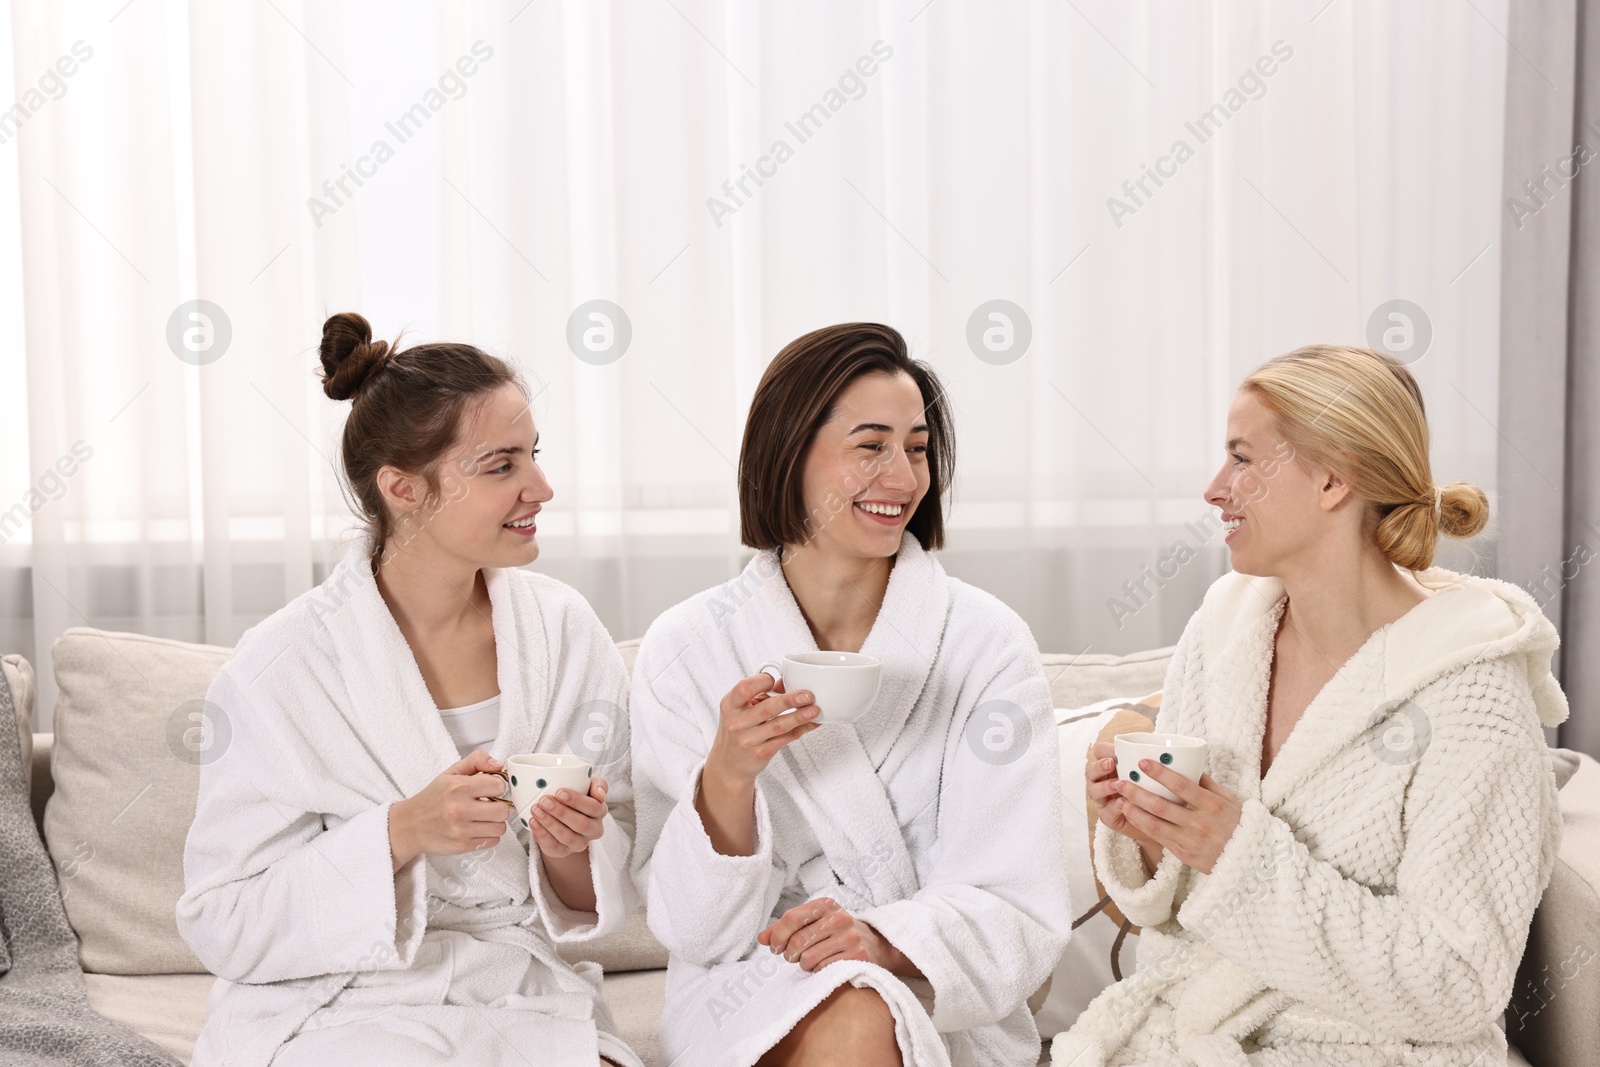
column 563, row 823
column 820, row 932
column 1197, row 830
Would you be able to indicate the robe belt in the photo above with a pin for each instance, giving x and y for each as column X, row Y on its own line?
column 507, row 924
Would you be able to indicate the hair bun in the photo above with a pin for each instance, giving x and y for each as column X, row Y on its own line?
column 349, row 355
column 1463, row 509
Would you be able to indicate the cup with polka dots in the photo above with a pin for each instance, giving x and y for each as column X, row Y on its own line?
column 1186, row 755
column 535, row 774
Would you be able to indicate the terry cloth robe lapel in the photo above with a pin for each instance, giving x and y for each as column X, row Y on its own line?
column 379, row 659
column 290, row 896
column 1240, row 676
column 1381, row 676
column 1231, row 1002
column 372, row 648
column 832, row 772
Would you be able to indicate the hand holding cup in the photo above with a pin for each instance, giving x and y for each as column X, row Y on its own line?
column 757, row 718
column 1101, row 788
column 559, row 799
column 459, row 811
column 1198, row 822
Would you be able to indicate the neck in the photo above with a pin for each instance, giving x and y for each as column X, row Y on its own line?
column 838, row 595
column 1337, row 606
column 431, row 595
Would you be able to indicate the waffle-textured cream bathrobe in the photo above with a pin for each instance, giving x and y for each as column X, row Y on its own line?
column 1373, row 903
column 326, row 955
column 935, row 818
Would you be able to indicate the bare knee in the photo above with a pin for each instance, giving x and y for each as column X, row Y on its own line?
column 852, row 1025
column 871, row 1022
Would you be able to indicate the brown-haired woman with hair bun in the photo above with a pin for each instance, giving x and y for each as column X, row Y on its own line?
column 1353, row 880
column 349, row 874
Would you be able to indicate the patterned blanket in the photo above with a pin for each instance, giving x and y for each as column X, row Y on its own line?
column 45, row 1016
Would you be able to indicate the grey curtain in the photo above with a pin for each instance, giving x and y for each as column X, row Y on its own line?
column 1549, row 468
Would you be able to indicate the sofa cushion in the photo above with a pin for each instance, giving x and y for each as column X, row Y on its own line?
column 632, row 948
column 1564, row 763
column 1081, row 680
column 1099, row 951
column 636, row 1000
column 17, row 673
column 128, row 749
column 630, row 652
column 1552, row 1015
column 170, row 1008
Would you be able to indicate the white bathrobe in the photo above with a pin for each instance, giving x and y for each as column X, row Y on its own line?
column 935, row 818
column 1373, row 903
column 290, row 892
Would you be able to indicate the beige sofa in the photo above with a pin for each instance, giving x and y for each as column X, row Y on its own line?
column 114, row 789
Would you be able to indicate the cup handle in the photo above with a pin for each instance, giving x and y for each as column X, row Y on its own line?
column 505, row 794
column 773, row 668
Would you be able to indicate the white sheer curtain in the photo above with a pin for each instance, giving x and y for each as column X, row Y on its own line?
column 539, row 155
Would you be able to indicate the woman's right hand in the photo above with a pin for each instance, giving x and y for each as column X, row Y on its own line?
column 751, row 728
column 1101, row 774
column 453, row 813
column 754, row 726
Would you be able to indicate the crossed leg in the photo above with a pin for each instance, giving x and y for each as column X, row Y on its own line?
column 853, row 1025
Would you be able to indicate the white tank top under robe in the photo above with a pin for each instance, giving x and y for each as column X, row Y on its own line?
column 474, row 725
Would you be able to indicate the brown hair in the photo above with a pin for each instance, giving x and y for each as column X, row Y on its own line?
column 408, row 410
column 796, row 397
column 1360, row 412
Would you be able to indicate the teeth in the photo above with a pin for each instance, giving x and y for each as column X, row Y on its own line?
column 1233, row 524
column 524, row 522
column 882, row 509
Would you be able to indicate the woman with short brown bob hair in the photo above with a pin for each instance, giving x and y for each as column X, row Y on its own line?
column 832, row 890
column 788, row 409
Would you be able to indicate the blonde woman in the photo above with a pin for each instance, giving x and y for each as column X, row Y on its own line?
column 1353, row 880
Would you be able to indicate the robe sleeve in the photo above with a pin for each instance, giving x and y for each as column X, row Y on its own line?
column 993, row 914
column 1435, row 959
column 272, row 892
column 593, row 676
column 614, row 894
column 704, row 907
column 1146, row 899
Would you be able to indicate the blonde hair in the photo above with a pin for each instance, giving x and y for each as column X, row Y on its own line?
column 1360, row 413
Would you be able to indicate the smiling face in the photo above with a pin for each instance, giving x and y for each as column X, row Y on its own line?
column 1278, row 510
column 866, row 470
column 487, row 481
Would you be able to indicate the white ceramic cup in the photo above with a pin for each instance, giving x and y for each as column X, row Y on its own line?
column 1186, row 755
column 843, row 685
column 532, row 775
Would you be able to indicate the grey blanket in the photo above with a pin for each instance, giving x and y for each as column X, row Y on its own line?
column 45, row 1016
